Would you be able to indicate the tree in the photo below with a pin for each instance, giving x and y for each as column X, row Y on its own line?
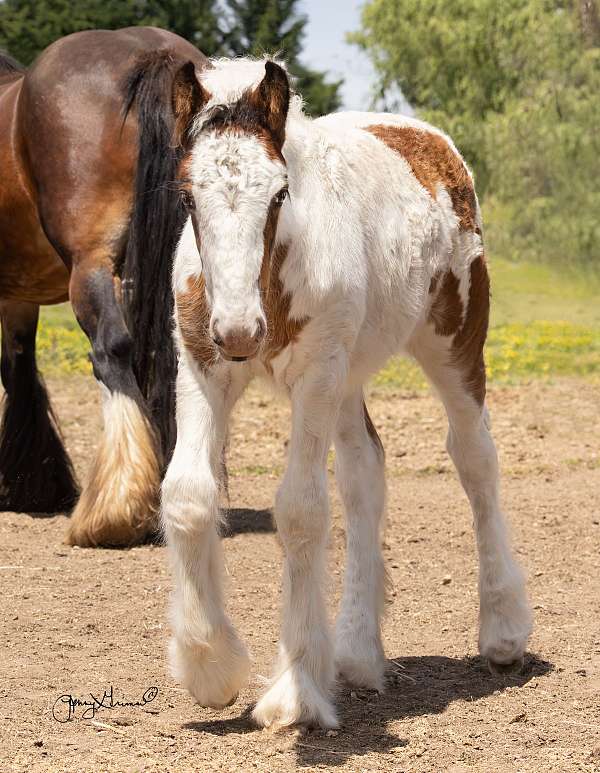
column 452, row 60
column 195, row 20
column 515, row 83
column 28, row 26
column 257, row 27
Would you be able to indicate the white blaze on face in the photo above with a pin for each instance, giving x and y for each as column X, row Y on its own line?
column 233, row 183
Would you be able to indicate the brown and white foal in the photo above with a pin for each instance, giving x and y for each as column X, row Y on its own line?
column 314, row 250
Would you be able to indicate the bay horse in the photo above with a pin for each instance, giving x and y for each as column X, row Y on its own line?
column 88, row 214
column 312, row 251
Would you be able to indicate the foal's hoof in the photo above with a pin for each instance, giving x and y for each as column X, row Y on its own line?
column 295, row 699
column 218, row 706
column 506, row 669
column 213, row 673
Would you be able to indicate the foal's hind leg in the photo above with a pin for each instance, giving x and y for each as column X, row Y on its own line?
column 359, row 469
column 505, row 618
column 35, row 471
column 119, row 504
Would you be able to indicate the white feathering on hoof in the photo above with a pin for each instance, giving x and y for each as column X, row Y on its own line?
column 119, row 504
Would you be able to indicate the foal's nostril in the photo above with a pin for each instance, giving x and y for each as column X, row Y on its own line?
column 215, row 335
column 260, row 329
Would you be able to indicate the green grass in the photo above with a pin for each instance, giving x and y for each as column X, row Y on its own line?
column 543, row 325
column 524, row 293
column 62, row 347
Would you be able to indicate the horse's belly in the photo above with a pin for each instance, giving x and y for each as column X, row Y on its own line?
column 30, row 268
column 42, row 284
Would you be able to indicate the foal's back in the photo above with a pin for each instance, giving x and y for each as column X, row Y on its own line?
column 401, row 163
column 418, row 222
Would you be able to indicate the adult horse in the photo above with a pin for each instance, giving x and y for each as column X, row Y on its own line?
column 87, row 213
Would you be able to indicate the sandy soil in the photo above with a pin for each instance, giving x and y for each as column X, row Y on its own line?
column 78, row 621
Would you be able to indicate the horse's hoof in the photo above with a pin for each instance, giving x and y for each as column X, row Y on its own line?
column 506, row 669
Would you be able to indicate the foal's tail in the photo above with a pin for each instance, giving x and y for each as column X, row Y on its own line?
column 156, row 223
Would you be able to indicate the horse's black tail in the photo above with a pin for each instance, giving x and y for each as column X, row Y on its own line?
column 156, row 223
column 8, row 64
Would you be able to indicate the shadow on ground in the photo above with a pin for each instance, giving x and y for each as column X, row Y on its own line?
column 417, row 686
column 241, row 520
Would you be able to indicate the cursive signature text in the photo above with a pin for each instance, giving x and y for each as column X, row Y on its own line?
column 65, row 707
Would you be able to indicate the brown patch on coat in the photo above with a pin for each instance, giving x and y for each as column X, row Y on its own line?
column 373, row 432
column 271, row 146
column 433, row 162
column 193, row 315
column 282, row 329
column 446, row 313
column 468, row 326
column 467, row 345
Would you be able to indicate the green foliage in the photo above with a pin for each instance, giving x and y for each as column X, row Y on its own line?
column 516, row 84
column 544, row 150
column 449, row 59
column 28, row 26
column 274, row 26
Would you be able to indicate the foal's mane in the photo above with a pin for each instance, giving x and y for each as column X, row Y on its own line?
column 8, row 64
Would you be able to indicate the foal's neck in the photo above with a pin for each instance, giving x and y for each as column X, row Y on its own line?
column 300, row 132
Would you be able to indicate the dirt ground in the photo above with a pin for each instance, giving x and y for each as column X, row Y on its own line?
column 77, row 621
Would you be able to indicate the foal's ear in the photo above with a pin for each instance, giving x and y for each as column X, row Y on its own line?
column 272, row 98
column 189, row 97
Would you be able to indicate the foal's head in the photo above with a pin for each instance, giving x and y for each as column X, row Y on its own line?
column 231, row 123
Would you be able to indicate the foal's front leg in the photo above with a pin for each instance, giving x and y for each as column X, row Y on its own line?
column 207, row 656
column 304, row 677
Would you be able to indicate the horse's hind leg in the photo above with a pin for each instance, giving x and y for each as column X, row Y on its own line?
column 35, row 471
column 119, row 504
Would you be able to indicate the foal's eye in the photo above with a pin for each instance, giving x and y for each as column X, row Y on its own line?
column 279, row 198
column 188, row 201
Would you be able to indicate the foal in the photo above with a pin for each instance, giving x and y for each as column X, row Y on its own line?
column 314, row 250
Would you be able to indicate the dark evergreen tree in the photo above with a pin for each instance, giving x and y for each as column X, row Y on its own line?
column 28, row 26
column 257, row 27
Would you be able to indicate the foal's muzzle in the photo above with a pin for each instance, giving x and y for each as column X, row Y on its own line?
column 238, row 343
